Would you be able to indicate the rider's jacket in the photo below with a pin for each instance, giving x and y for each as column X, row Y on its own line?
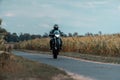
column 52, row 32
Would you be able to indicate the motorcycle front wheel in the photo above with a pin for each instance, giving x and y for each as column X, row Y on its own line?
column 55, row 54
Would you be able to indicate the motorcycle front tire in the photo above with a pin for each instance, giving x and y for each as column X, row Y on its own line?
column 55, row 54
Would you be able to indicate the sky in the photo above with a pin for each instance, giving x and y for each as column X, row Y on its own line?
column 82, row 16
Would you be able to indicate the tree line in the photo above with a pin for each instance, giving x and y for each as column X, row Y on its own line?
column 13, row 37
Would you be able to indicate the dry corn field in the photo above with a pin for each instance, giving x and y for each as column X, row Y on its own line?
column 106, row 45
column 2, row 45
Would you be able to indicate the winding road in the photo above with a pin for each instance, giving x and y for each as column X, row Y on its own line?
column 96, row 71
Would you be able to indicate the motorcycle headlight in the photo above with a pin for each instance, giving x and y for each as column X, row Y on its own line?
column 57, row 35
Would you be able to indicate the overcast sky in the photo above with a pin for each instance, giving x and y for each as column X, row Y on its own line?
column 82, row 16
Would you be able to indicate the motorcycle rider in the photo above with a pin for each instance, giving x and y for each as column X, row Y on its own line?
column 51, row 34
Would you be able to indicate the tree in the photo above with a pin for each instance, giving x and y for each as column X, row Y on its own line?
column 45, row 35
column 11, row 37
column 0, row 21
column 64, row 35
column 2, row 30
column 35, row 36
column 25, row 36
column 15, row 37
column 100, row 32
column 88, row 34
column 75, row 34
column 8, row 37
column 21, row 37
column 70, row 34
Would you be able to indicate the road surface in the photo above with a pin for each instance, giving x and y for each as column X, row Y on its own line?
column 96, row 71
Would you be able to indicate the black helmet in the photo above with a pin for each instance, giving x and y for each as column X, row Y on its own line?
column 55, row 27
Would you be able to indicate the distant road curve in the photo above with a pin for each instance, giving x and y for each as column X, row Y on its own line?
column 93, row 70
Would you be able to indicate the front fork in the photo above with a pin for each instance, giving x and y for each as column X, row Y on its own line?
column 55, row 43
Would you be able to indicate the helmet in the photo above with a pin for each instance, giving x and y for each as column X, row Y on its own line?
column 55, row 27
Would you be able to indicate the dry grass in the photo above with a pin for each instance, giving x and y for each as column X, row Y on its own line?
column 2, row 45
column 79, row 77
column 17, row 68
column 106, row 45
column 37, row 44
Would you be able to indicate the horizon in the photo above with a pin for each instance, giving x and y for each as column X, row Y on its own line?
column 82, row 16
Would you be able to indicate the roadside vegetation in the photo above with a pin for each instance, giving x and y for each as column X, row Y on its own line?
column 17, row 68
column 102, row 48
column 104, row 45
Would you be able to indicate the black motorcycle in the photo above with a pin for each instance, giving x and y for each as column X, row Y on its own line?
column 56, row 44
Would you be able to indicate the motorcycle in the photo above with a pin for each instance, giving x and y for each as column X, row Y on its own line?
column 56, row 44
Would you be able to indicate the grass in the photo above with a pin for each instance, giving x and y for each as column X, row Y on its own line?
column 17, row 68
column 105, row 48
column 2, row 45
column 107, row 45
column 104, row 45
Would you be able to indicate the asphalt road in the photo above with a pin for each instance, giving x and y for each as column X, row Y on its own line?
column 96, row 71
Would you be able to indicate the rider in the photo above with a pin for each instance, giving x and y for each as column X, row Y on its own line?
column 51, row 34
